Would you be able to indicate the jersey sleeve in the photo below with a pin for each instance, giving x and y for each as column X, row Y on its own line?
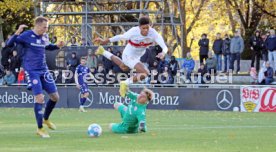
column 160, row 41
column 51, row 47
column 125, row 36
column 142, row 122
column 19, row 39
column 131, row 95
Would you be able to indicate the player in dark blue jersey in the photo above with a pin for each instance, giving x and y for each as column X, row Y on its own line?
column 82, row 76
column 34, row 43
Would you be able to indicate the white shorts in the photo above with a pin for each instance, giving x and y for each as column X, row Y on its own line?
column 130, row 58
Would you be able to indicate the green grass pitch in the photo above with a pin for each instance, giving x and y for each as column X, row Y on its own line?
column 185, row 131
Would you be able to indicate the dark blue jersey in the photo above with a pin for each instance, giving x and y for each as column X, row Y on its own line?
column 82, row 72
column 34, row 46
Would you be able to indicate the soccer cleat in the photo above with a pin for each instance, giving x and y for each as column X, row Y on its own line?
column 42, row 133
column 100, row 50
column 81, row 109
column 50, row 124
column 123, row 88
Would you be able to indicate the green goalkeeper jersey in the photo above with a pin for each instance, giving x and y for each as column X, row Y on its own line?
column 135, row 116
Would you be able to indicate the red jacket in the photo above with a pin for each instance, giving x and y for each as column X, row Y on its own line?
column 21, row 77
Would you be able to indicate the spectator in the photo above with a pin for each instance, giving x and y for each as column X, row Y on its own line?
column 101, row 74
column 204, row 47
column 21, row 76
column 267, row 74
column 226, row 52
column 263, row 48
column 217, row 48
column 153, row 73
column 161, row 65
column 72, row 63
column 271, row 47
column 74, row 41
column 188, row 66
column 201, row 72
column 166, row 77
column 6, row 53
column 253, row 74
column 255, row 47
column 236, row 48
column 9, row 78
column 2, row 74
column 92, row 60
column 15, row 63
column 173, row 66
column 211, row 64
column 54, row 40
column 108, row 63
column 84, row 42
column 111, row 77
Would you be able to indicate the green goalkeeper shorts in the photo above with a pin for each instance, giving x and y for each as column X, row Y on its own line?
column 122, row 128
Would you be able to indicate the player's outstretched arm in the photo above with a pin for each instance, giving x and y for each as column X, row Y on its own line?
column 14, row 37
column 55, row 47
column 160, row 41
column 101, row 41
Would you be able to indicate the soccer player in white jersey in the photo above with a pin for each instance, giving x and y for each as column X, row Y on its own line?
column 139, row 38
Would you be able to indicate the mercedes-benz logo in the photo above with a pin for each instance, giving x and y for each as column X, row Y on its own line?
column 89, row 100
column 224, row 99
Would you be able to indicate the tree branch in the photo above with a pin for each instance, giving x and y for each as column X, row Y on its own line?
column 196, row 16
column 263, row 10
column 235, row 5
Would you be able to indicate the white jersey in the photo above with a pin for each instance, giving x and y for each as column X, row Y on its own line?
column 138, row 43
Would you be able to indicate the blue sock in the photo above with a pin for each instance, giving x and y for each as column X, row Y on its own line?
column 38, row 109
column 50, row 105
column 82, row 101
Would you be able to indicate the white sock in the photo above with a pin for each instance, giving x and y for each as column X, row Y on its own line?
column 129, row 80
column 107, row 54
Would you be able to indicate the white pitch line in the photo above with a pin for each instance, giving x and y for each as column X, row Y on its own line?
column 150, row 128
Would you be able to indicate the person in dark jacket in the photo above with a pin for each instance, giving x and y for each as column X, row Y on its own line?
column 15, row 64
column 161, row 65
column 6, row 54
column 201, row 73
column 204, row 47
column 226, row 52
column 72, row 63
column 217, row 48
column 173, row 66
column 108, row 63
column 268, row 74
column 271, row 47
column 255, row 47
column 263, row 48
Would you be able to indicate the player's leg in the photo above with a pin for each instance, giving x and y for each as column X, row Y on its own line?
column 49, row 86
column 121, row 108
column 83, row 99
column 39, row 103
column 112, row 57
column 84, row 96
column 117, row 128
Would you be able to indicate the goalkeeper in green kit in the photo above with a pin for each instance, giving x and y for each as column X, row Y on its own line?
column 133, row 115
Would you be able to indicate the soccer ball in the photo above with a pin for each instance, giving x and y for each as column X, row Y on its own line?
column 94, row 130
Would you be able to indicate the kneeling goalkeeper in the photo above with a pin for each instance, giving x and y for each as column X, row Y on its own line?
column 133, row 115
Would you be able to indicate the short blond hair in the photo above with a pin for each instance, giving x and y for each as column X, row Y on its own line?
column 40, row 19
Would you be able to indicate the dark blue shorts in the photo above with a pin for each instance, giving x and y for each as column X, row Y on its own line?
column 83, row 88
column 42, row 80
